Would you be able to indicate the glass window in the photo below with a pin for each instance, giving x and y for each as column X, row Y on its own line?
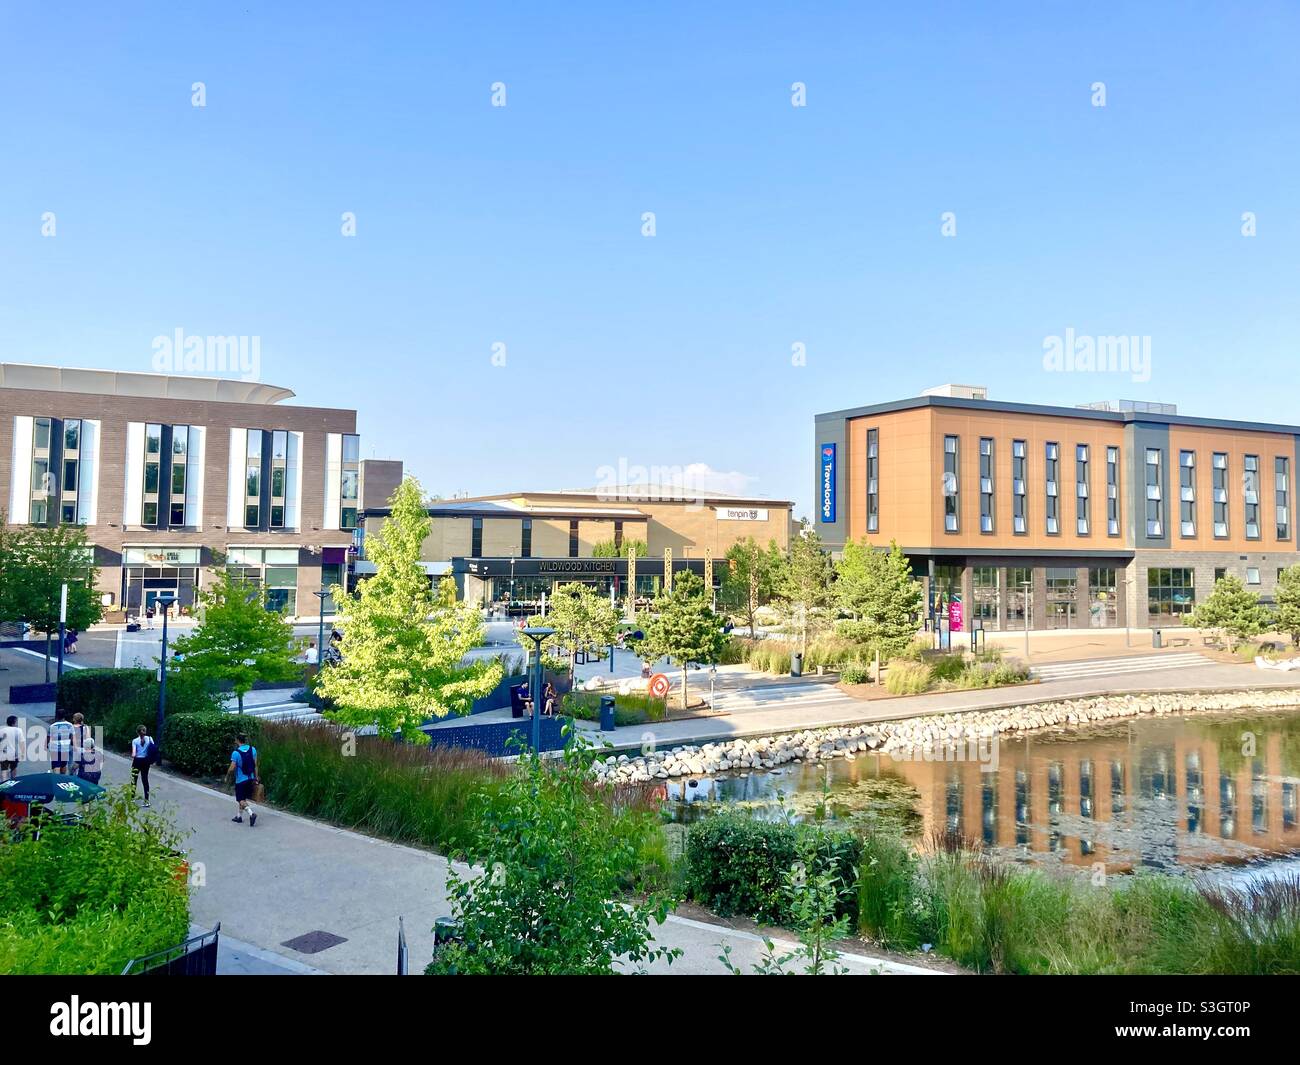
column 573, row 539
column 1112, row 491
column 149, row 514
column 1052, row 511
column 1020, row 597
column 70, row 475
column 351, row 448
column 72, row 435
column 1250, row 490
column 1219, row 494
column 526, row 538
column 951, row 485
column 1252, row 574
column 41, row 434
column 277, row 481
column 476, row 539
column 1187, row 493
column 348, row 518
column 873, row 480
column 153, row 439
column 1154, row 494
column 1171, row 594
column 255, row 444
column 986, row 485
column 1019, row 480
column 351, row 481
column 1282, row 500
column 252, row 516
column 1082, row 479
column 1103, row 600
column 987, row 595
column 1062, row 597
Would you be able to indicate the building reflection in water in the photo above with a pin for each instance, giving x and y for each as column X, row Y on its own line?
column 1152, row 793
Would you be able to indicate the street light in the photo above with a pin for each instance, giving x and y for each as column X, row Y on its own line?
column 322, row 595
column 164, row 600
column 537, row 635
column 1028, row 587
column 63, row 626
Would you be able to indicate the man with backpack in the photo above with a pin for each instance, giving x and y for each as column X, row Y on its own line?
column 243, row 764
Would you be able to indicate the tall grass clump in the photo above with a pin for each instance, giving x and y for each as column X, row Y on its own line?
column 398, row 791
column 769, row 656
column 904, row 677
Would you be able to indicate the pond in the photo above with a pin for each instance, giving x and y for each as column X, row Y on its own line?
column 1179, row 794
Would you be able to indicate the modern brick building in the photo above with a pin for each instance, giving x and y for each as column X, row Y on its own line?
column 1101, row 516
column 169, row 473
column 513, row 547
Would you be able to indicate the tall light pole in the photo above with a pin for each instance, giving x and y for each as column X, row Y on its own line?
column 537, row 635
column 322, row 595
column 63, row 625
column 164, row 600
column 1028, row 587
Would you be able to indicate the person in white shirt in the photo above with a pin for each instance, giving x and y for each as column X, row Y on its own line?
column 13, row 748
column 142, row 757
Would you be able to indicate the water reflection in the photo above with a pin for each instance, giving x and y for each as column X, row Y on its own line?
column 1169, row 793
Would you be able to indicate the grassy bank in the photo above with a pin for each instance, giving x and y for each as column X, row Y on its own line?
column 996, row 917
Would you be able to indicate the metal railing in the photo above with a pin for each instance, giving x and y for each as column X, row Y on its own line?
column 197, row 956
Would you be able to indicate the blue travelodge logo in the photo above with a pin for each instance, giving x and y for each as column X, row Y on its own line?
column 828, row 483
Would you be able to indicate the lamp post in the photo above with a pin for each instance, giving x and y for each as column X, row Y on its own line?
column 63, row 625
column 164, row 600
column 1028, row 587
column 512, row 584
column 322, row 595
column 537, row 635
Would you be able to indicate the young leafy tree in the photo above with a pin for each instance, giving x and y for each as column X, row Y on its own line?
column 580, row 616
column 628, row 548
column 878, row 587
column 239, row 639
column 1287, row 600
column 548, row 901
column 806, row 584
column 404, row 642
column 43, row 559
column 750, row 579
column 9, row 544
column 1232, row 609
column 683, row 627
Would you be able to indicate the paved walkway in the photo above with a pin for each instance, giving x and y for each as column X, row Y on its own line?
column 291, row 875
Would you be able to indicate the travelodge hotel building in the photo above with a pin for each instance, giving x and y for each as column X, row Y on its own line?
column 1020, row 515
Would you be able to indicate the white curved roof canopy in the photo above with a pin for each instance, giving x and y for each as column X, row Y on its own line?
column 145, row 385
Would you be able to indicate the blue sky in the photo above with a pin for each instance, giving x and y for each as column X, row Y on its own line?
column 774, row 225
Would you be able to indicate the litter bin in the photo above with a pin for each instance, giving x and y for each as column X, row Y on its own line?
column 606, row 713
column 796, row 664
column 1157, row 638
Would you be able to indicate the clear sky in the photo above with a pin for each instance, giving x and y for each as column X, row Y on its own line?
column 774, row 225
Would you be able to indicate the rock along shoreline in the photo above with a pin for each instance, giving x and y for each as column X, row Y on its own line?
column 933, row 732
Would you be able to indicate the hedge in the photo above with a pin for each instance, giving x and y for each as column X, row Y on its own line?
column 736, row 865
column 121, row 700
column 200, row 743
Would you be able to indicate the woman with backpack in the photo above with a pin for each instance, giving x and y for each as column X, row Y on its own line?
column 85, row 752
column 144, row 752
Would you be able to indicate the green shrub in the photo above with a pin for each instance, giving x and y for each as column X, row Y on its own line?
column 736, row 864
column 635, row 708
column 200, row 743
column 86, row 898
column 735, row 650
column 904, row 677
column 855, row 673
column 770, row 656
column 947, row 667
column 121, row 700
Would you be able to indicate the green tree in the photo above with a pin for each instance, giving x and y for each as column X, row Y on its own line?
column 239, row 639
column 683, row 627
column 1287, row 602
column 405, row 642
column 9, row 540
column 42, row 559
column 580, row 616
column 751, row 579
column 547, row 902
column 806, row 584
column 878, row 587
column 629, row 547
column 1233, row 610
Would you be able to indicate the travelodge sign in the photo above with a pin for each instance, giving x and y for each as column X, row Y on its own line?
column 828, row 483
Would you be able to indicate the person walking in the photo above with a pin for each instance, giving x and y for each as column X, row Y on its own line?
column 60, row 744
column 85, row 751
column 243, row 765
column 143, row 754
column 13, row 748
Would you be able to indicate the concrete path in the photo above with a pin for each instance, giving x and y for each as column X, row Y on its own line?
column 291, row 875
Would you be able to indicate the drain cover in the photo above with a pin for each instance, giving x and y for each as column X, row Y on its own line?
column 313, row 942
